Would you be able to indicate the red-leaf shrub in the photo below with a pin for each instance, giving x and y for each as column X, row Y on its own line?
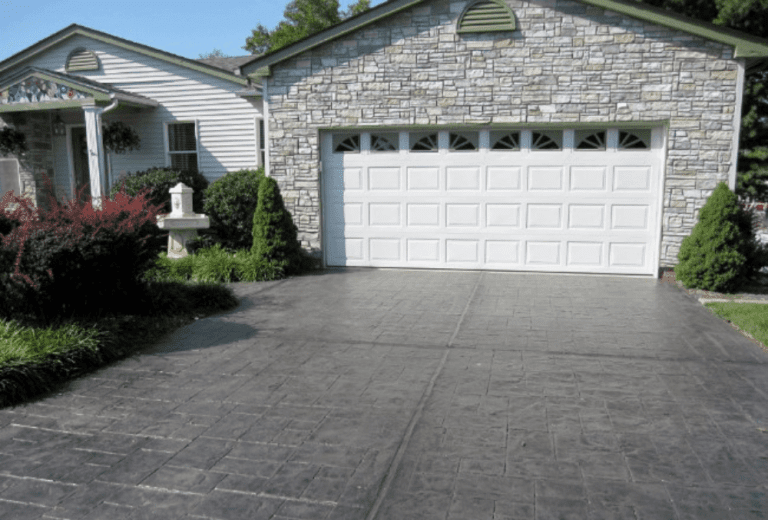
column 72, row 259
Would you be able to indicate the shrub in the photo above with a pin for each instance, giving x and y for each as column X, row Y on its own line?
column 74, row 260
column 721, row 251
column 274, row 233
column 230, row 203
column 158, row 181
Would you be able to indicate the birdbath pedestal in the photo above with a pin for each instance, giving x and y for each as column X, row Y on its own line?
column 182, row 223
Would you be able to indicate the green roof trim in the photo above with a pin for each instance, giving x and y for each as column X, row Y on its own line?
column 486, row 16
column 745, row 45
column 87, row 32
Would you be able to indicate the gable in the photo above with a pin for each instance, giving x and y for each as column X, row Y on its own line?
column 74, row 31
column 745, row 46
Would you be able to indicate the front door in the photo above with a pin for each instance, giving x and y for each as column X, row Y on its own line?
column 80, row 163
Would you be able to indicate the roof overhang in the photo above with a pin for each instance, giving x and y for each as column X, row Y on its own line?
column 749, row 48
column 75, row 30
column 34, row 88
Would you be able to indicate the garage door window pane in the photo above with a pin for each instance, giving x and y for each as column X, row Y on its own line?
column 508, row 141
column 547, row 141
column 424, row 142
column 590, row 140
column 463, row 142
column 385, row 142
column 346, row 143
column 634, row 140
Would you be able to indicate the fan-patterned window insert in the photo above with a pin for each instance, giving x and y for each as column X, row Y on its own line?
column 546, row 141
column 346, row 143
column 507, row 141
column 486, row 16
column 424, row 142
column 590, row 140
column 464, row 142
column 389, row 142
column 634, row 140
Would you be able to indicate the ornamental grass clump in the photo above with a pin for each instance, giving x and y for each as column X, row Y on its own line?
column 72, row 259
column 721, row 252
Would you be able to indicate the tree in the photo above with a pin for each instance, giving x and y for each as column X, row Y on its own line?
column 751, row 17
column 215, row 53
column 303, row 18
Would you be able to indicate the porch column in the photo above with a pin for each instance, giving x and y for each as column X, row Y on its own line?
column 95, row 150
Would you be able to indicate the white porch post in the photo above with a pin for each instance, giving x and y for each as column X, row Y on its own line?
column 95, row 151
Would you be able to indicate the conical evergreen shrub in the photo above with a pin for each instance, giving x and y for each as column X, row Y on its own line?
column 274, row 233
column 721, row 252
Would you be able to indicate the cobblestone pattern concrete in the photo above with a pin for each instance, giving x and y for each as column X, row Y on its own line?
column 566, row 63
column 559, row 397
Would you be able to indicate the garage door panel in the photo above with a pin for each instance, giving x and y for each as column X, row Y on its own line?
column 423, row 214
column 382, row 178
column 544, row 216
column 423, row 178
column 462, row 215
column 631, row 178
column 502, row 253
column 586, row 216
column 461, row 250
column 387, row 249
column 423, row 250
column 502, row 215
column 588, row 178
column 462, row 178
column 384, row 214
column 503, row 178
column 545, row 178
column 584, row 254
column 542, row 253
column 627, row 254
column 634, row 217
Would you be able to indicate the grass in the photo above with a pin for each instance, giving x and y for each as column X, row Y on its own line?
column 214, row 265
column 37, row 359
column 752, row 318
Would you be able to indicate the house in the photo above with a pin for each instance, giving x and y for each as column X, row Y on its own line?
column 534, row 135
column 187, row 113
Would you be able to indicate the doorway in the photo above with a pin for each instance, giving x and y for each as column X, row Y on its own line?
column 80, row 168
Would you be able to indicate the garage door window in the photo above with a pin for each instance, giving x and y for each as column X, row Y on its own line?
column 384, row 142
column 463, row 142
column 590, row 140
column 547, row 141
column 506, row 141
column 423, row 142
column 346, row 143
column 634, row 140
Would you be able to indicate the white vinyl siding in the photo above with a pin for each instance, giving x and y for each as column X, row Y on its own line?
column 227, row 137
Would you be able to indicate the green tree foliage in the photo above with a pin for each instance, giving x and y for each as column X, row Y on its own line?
column 751, row 17
column 229, row 204
column 303, row 18
column 274, row 233
column 721, row 251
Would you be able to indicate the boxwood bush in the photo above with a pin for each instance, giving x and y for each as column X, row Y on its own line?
column 721, row 252
column 158, row 181
column 229, row 203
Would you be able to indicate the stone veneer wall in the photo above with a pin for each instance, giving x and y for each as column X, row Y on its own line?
column 38, row 159
column 566, row 63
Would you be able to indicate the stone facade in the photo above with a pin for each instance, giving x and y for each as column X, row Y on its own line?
column 38, row 160
column 566, row 63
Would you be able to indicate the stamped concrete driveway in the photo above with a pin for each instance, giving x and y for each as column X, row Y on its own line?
column 393, row 394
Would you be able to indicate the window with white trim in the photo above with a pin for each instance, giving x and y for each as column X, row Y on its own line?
column 182, row 146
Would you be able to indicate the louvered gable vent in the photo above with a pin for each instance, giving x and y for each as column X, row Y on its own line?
column 82, row 59
column 487, row 16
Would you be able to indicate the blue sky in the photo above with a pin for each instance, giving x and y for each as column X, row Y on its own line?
column 184, row 27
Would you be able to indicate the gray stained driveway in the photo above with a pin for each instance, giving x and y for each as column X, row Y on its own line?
column 393, row 394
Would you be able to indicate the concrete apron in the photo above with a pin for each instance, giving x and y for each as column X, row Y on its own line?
column 392, row 394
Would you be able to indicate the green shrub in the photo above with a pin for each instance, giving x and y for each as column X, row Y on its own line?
column 721, row 251
column 74, row 260
column 274, row 233
column 158, row 181
column 229, row 204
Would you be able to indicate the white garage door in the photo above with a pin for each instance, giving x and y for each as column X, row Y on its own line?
column 528, row 200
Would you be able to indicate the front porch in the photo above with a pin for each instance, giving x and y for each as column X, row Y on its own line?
column 61, row 117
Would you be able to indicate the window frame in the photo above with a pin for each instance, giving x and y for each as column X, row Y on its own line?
column 167, row 140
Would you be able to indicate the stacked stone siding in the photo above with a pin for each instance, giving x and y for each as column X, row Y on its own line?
column 566, row 63
column 37, row 162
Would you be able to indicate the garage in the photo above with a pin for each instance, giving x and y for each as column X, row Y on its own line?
column 582, row 200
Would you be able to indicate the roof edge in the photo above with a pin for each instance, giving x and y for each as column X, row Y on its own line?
column 745, row 45
column 75, row 29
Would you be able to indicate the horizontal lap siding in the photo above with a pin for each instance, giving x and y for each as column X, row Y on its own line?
column 227, row 137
